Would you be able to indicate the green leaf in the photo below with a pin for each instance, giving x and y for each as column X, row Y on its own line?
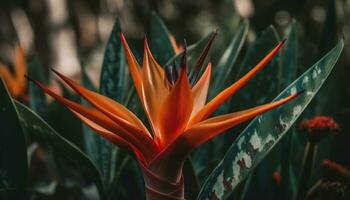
column 264, row 132
column 228, row 59
column 191, row 180
column 39, row 129
column 288, row 73
column 112, row 85
column 131, row 184
column 280, row 154
column 59, row 114
column 265, row 83
column 112, row 80
column 9, row 193
column 91, row 139
column 13, row 154
column 289, row 57
column 37, row 99
column 160, row 42
column 193, row 51
column 206, row 157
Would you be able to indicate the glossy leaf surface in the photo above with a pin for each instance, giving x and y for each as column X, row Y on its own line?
column 263, row 133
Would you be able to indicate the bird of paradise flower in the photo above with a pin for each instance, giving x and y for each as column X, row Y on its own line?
column 177, row 112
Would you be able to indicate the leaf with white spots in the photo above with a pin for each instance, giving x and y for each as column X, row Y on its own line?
column 112, row 85
column 241, row 158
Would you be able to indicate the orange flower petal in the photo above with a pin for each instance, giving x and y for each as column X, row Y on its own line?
column 6, row 75
column 155, row 87
column 177, row 48
column 204, row 131
column 20, row 69
column 110, row 136
column 133, row 66
column 115, row 139
column 210, row 128
column 109, row 107
column 214, row 104
column 15, row 82
column 200, row 91
column 176, row 110
column 102, row 120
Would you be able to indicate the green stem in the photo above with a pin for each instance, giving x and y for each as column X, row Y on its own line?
column 286, row 187
column 306, row 170
column 157, row 189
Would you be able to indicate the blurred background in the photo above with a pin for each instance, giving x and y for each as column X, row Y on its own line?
column 70, row 35
column 62, row 33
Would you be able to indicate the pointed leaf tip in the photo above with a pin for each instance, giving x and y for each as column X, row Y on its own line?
column 30, row 79
column 169, row 72
column 203, row 56
column 183, row 63
column 262, row 126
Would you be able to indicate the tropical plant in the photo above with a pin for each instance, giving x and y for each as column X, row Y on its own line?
column 175, row 118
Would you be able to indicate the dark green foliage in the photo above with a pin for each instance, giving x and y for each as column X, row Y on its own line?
column 13, row 155
column 228, row 59
column 36, row 127
column 112, row 85
column 160, row 42
column 193, row 52
column 265, row 83
column 265, row 131
column 116, row 173
column 207, row 156
column 191, row 181
column 91, row 139
column 278, row 158
column 289, row 70
column 37, row 97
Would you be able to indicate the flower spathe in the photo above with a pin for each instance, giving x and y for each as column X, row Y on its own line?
column 177, row 111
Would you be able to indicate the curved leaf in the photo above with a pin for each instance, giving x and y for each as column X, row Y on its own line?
column 228, row 59
column 47, row 135
column 205, row 157
column 160, row 42
column 37, row 100
column 13, row 154
column 112, row 80
column 265, row 83
column 112, row 85
column 191, row 180
column 289, row 71
column 263, row 133
column 91, row 139
column 280, row 154
column 290, row 56
column 193, row 52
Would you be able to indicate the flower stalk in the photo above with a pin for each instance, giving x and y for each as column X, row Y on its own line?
column 306, row 170
column 315, row 129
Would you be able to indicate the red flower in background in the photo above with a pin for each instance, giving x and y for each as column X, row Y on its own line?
column 319, row 126
column 277, row 177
